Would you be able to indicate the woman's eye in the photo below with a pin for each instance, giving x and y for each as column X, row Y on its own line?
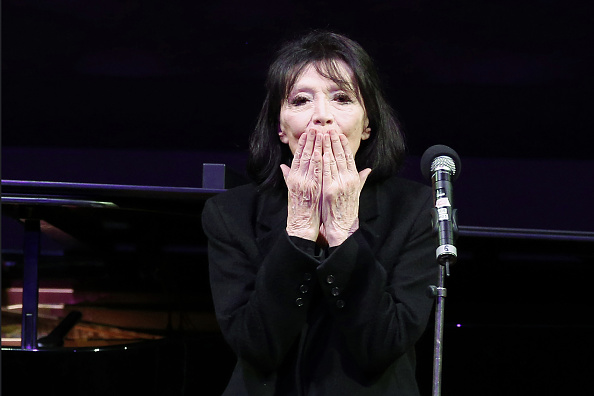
column 298, row 100
column 343, row 98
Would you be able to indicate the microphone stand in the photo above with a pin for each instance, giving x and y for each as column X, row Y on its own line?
column 445, row 227
column 439, row 292
column 439, row 163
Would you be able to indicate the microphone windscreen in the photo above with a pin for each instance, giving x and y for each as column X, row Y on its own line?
column 437, row 151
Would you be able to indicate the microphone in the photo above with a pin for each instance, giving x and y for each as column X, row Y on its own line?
column 442, row 166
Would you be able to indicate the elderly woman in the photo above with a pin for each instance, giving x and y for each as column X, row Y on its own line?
column 319, row 268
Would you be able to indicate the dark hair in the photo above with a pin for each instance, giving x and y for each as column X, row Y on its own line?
column 383, row 152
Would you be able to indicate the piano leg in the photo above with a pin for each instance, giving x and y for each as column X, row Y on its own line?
column 30, row 284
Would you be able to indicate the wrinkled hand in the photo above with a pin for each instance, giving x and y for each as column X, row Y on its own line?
column 341, row 188
column 304, row 183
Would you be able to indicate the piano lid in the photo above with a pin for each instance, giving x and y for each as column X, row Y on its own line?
column 111, row 217
column 122, row 194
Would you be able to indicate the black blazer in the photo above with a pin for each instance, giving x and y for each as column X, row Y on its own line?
column 339, row 322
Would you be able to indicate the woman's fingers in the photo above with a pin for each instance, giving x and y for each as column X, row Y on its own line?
column 348, row 154
column 298, row 152
column 342, row 152
column 337, row 149
column 307, row 161
column 307, row 153
column 297, row 156
column 330, row 168
column 310, row 138
column 315, row 163
column 363, row 175
column 286, row 170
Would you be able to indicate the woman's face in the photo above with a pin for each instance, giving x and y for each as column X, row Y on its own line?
column 318, row 103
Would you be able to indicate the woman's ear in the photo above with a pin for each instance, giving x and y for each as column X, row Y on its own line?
column 366, row 133
column 366, row 130
column 283, row 137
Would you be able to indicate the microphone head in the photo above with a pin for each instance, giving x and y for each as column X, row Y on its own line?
column 440, row 156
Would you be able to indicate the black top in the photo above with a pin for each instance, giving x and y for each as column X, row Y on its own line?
column 306, row 321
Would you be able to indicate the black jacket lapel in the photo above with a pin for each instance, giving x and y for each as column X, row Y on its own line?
column 271, row 218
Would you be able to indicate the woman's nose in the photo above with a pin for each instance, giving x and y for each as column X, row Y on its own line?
column 322, row 114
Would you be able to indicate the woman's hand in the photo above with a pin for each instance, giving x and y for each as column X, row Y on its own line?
column 342, row 186
column 304, row 183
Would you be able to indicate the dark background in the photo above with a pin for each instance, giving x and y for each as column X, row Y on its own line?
column 144, row 93
column 134, row 92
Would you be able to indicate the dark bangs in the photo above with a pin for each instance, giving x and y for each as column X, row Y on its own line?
column 328, row 68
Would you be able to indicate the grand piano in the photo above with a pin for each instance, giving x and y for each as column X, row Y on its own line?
column 114, row 287
column 136, row 316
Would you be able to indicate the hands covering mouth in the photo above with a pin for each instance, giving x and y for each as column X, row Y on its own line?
column 323, row 188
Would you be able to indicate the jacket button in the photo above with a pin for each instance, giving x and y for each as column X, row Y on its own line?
column 330, row 279
column 299, row 302
column 335, row 291
column 340, row 304
column 307, row 276
column 303, row 289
